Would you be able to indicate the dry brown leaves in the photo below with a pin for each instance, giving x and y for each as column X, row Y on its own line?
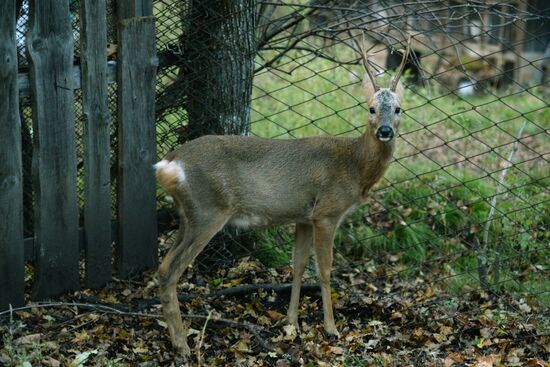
column 384, row 320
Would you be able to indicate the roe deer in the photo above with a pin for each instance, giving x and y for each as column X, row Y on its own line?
column 250, row 181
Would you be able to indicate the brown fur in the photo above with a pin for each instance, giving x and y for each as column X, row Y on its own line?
column 312, row 182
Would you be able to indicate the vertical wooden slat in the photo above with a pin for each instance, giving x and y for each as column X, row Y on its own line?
column 97, row 183
column 137, row 245
column 134, row 8
column 50, row 46
column 11, row 186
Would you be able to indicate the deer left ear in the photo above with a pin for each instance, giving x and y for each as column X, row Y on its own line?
column 399, row 90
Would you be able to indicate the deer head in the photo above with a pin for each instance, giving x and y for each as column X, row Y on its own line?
column 384, row 103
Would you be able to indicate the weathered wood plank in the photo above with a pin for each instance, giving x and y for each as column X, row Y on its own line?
column 97, row 180
column 50, row 46
column 167, row 219
column 11, row 185
column 134, row 8
column 137, row 245
column 23, row 78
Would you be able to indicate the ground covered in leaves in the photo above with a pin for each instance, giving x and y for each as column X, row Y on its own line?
column 384, row 318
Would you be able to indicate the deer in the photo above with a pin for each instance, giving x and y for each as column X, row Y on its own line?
column 248, row 181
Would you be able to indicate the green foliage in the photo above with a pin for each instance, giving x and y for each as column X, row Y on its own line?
column 449, row 156
column 273, row 247
column 20, row 353
column 426, row 211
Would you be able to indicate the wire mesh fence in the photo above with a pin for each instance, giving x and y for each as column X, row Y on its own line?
column 466, row 197
column 470, row 174
column 468, row 187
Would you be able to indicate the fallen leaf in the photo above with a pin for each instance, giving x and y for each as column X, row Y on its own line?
column 51, row 362
column 28, row 339
column 274, row 314
column 448, row 362
column 289, row 329
column 489, row 361
column 335, row 350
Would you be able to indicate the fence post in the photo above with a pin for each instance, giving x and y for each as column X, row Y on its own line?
column 137, row 231
column 11, row 186
column 134, row 8
column 97, row 178
column 50, row 45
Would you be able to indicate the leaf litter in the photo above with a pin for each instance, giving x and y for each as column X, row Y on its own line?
column 384, row 319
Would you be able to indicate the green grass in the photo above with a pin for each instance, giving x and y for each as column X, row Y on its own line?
column 273, row 246
column 436, row 194
column 435, row 198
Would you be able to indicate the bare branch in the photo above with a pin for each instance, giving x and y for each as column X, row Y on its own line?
column 500, row 184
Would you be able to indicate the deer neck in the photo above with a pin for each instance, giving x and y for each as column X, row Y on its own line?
column 376, row 157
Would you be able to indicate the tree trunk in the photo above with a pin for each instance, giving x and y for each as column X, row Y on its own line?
column 219, row 50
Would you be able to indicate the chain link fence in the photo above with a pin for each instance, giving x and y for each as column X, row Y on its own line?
column 468, row 188
column 467, row 192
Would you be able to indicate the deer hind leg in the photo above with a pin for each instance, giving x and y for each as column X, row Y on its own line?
column 300, row 256
column 323, row 238
column 180, row 256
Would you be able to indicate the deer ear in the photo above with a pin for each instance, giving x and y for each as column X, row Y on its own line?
column 399, row 90
column 368, row 87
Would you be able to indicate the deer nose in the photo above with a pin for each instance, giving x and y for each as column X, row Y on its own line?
column 385, row 133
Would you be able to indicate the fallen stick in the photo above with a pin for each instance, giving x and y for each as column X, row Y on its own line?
column 253, row 329
column 498, row 191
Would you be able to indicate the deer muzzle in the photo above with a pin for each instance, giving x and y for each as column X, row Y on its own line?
column 385, row 133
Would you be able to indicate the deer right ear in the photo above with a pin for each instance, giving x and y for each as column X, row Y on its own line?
column 368, row 87
column 399, row 90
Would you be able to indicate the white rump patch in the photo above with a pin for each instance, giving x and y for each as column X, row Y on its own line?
column 172, row 168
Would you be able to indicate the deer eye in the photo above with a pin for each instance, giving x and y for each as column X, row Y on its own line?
column 397, row 110
column 372, row 110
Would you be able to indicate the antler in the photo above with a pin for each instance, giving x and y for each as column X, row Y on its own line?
column 364, row 58
column 402, row 66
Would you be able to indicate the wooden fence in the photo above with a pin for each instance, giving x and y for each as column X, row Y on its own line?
column 52, row 79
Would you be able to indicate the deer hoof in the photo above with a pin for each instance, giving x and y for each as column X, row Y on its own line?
column 182, row 348
column 184, row 351
column 292, row 321
column 332, row 334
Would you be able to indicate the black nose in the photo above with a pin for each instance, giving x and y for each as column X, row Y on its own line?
column 385, row 133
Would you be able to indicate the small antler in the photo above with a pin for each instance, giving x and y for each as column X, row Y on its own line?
column 363, row 52
column 402, row 66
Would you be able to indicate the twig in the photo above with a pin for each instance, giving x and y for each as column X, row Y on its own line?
column 229, row 292
column 249, row 288
column 201, row 339
column 498, row 192
column 253, row 329
column 500, row 183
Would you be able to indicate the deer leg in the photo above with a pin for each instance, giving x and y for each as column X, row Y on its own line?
column 300, row 257
column 323, row 238
column 180, row 256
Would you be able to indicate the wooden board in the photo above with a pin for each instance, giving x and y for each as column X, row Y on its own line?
column 50, row 46
column 11, row 187
column 134, row 8
column 137, row 233
column 97, row 180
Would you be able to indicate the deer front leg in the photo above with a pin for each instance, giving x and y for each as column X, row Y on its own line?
column 323, row 238
column 300, row 255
